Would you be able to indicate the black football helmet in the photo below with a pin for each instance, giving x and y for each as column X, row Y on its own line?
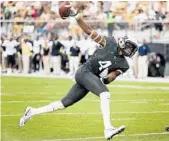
column 128, row 46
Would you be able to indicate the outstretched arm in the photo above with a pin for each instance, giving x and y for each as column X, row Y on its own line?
column 87, row 29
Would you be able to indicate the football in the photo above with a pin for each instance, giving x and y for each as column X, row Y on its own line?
column 64, row 9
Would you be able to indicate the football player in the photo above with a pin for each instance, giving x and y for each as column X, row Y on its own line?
column 103, row 67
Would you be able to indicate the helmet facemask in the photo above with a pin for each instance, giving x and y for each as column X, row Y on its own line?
column 128, row 46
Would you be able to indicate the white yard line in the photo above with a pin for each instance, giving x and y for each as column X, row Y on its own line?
column 88, row 100
column 140, row 87
column 48, row 93
column 139, row 102
column 114, row 86
column 120, row 78
column 32, row 93
column 92, row 138
column 90, row 113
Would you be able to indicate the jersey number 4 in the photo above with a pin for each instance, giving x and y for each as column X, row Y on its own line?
column 104, row 64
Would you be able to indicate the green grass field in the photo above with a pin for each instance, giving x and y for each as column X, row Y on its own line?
column 142, row 107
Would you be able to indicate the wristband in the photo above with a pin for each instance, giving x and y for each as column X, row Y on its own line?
column 91, row 33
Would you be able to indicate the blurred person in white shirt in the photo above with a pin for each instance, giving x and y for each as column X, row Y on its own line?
column 91, row 10
column 141, row 17
column 10, row 45
column 3, row 55
column 37, row 44
column 83, row 44
column 135, row 64
column 130, row 71
column 92, row 46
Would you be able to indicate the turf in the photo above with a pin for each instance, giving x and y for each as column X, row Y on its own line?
column 142, row 107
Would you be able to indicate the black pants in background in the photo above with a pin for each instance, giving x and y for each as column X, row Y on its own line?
column 36, row 62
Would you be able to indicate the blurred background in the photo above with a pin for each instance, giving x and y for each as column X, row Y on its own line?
column 35, row 40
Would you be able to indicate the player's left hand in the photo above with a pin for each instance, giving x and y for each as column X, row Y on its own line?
column 73, row 9
column 104, row 73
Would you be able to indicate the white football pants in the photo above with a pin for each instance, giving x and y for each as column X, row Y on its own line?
column 73, row 64
column 56, row 64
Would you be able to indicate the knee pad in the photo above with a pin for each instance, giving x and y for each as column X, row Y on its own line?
column 105, row 95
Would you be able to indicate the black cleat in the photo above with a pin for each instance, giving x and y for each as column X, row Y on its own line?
column 167, row 128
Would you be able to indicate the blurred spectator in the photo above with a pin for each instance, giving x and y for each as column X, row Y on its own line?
column 64, row 61
column 46, row 56
column 91, row 10
column 142, row 15
column 75, row 56
column 36, row 56
column 56, row 50
column 91, row 48
column 156, row 65
column 159, row 26
column 47, row 10
column 83, row 44
column 158, row 16
column 109, row 17
column 3, row 55
column 141, row 18
column 167, row 19
column 143, row 51
column 130, row 71
column 19, row 55
column 17, row 26
column 74, row 28
column 7, row 13
column 120, row 13
column 34, row 12
column 135, row 64
column 54, row 6
column 42, row 18
column 10, row 45
column 26, row 47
